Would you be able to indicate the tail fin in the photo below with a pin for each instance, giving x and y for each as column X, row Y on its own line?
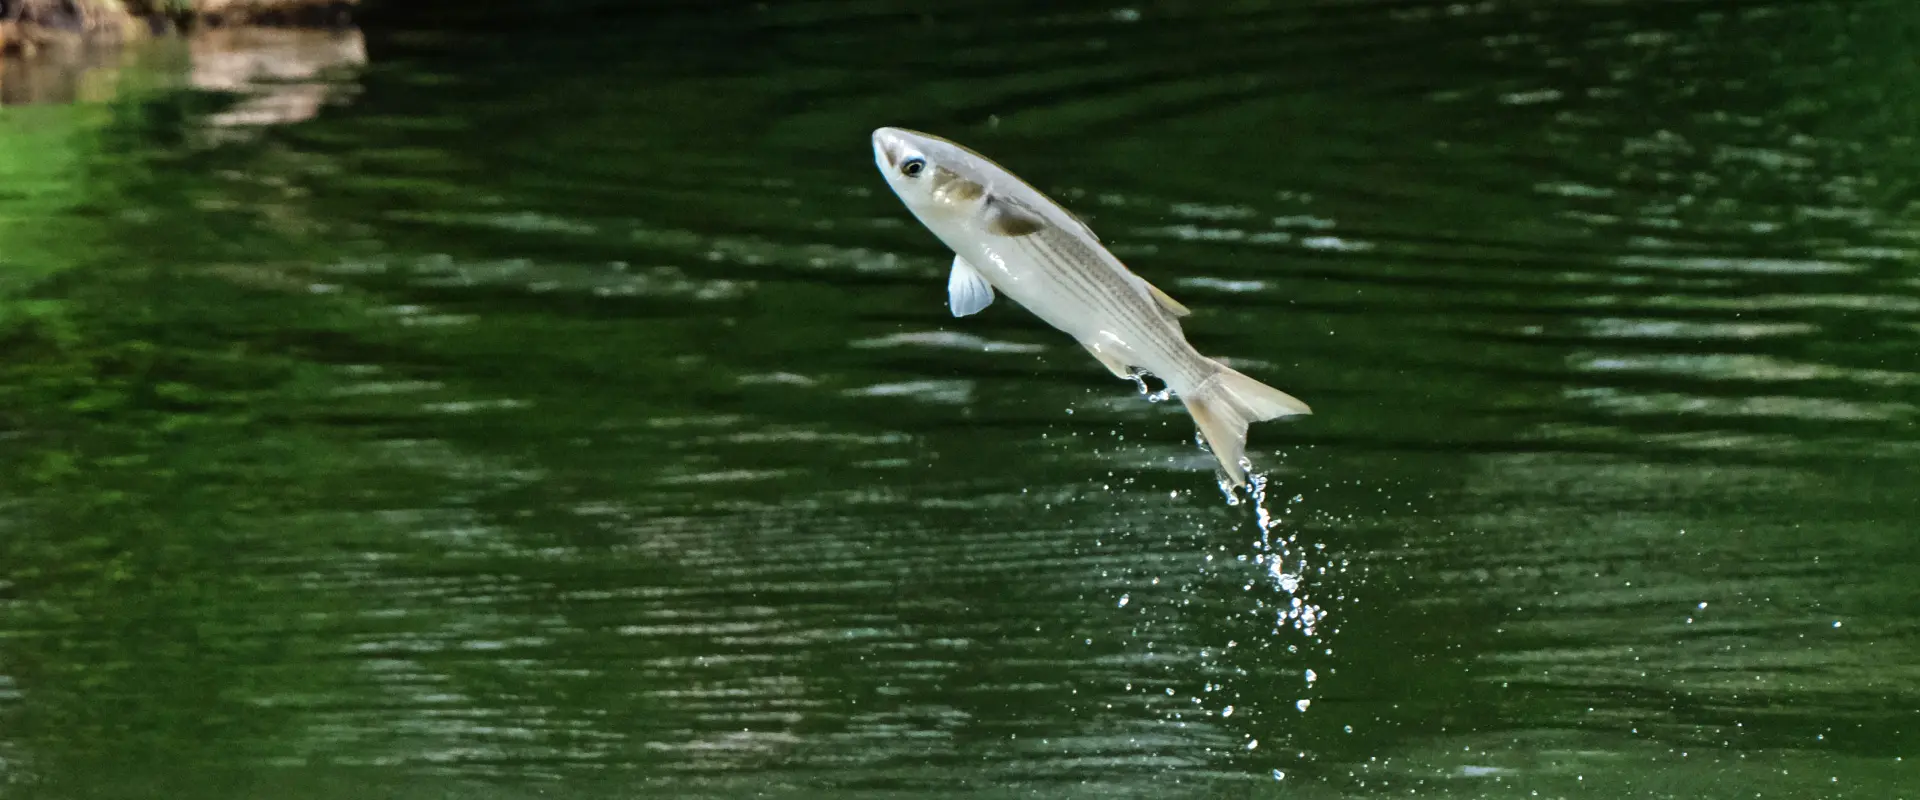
column 1225, row 403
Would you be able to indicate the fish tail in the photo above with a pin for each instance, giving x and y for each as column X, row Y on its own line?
column 1224, row 403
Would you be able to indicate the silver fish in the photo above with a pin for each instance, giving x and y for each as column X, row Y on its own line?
column 1009, row 237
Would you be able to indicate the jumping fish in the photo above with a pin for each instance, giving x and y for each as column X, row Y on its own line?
column 1009, row 237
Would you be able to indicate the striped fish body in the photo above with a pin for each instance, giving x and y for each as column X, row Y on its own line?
column 1075, row 285
column 1009, row 238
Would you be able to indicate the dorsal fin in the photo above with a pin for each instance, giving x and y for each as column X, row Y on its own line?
column 1171, row 305
column 1084, row 227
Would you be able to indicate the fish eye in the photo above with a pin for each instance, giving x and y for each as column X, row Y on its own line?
column 912, row 167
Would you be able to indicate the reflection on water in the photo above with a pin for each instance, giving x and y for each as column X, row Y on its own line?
column 580, row 417
column 280, row 73
column 62, row 75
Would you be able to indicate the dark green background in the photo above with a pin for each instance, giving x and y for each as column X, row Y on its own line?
column 569, row 411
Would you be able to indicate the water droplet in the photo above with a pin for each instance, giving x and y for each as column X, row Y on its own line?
column 1123, row 600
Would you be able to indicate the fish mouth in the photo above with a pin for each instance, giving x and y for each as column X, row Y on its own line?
column 887, row 146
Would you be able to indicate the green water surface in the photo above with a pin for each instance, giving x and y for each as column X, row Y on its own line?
column 576, row 414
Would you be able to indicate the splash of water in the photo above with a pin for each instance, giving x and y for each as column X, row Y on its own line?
column 1159, row 396
column 1285, row 563
column 1286, row 568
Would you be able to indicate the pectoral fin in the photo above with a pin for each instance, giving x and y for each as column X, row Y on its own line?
column 967, row 290
column 1119, row 368
column 1011, row 218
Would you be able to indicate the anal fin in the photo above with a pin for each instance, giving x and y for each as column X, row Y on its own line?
column 1120, row 369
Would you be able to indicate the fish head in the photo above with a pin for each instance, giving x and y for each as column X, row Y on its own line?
column 937, row 179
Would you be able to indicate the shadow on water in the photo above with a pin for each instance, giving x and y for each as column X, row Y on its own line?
column 508, row 415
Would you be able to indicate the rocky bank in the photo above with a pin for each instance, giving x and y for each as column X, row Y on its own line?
column 27, row 26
